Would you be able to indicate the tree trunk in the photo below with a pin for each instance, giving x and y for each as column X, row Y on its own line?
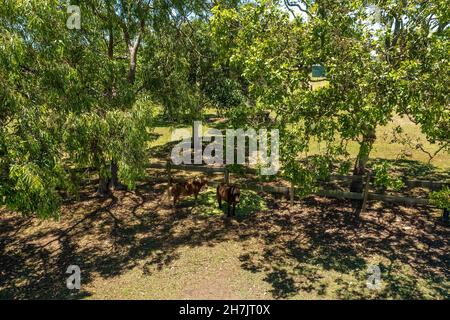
column 131, row 77
column 361, row 161
column 115, row 182
column 103, row 187
column 104, row 183
column 132, row 72
column 445, row 215
column 111, row 57
column 133, row 62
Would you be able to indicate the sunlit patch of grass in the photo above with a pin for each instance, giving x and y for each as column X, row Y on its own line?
column 389, row 148
column 250, row 203
column 163, row 135
column 385, row 146
column 316, row 84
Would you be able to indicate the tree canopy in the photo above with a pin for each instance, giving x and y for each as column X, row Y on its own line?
column 77, row 98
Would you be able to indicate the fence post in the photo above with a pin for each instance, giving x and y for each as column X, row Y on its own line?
column 365, row 193
column 445, row 215
column 169, row 173
column 227, row 176
column 291, row 194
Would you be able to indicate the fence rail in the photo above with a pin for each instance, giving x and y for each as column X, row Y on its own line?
column 430, row 184
column 289, row 192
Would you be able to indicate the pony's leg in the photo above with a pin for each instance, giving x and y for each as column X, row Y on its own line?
column 175, row 199
column 219, row 200
column 228, row 210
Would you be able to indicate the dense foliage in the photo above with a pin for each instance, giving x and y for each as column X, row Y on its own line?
column 77, row 98
column 376, row 68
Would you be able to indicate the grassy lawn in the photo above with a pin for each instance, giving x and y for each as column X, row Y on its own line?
column 387, row 147
column 403, row 157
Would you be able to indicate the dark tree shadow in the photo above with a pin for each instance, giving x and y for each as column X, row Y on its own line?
column 292, row 247
column 413, row 169
column 323, row 239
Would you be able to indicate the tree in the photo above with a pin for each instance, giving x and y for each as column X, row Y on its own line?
column 73, row 98
column 275, row 53
column 66, row 103
column 370, row 69
column 35, row 79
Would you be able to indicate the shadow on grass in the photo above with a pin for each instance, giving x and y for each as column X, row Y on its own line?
column 414, row 170
column 309, row 248
column 250, row 203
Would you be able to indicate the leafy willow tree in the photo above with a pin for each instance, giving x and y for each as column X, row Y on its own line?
column 170, row 70
column 74, row 98
column 36, row 83
column 180, row 67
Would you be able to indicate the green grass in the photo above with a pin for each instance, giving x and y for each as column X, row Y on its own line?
column 163, row 135
column 250, row 203
column 384, row 148
column 403, row 158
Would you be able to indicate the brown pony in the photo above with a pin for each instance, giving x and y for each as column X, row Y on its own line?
column 230, row 194
column 187, row 188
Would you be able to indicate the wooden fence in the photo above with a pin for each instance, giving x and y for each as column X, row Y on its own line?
column 290, row 191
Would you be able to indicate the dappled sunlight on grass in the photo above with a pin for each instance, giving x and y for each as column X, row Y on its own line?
column 250, row 203
column 133, row 247
column 384, row 147
column 387, row 146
